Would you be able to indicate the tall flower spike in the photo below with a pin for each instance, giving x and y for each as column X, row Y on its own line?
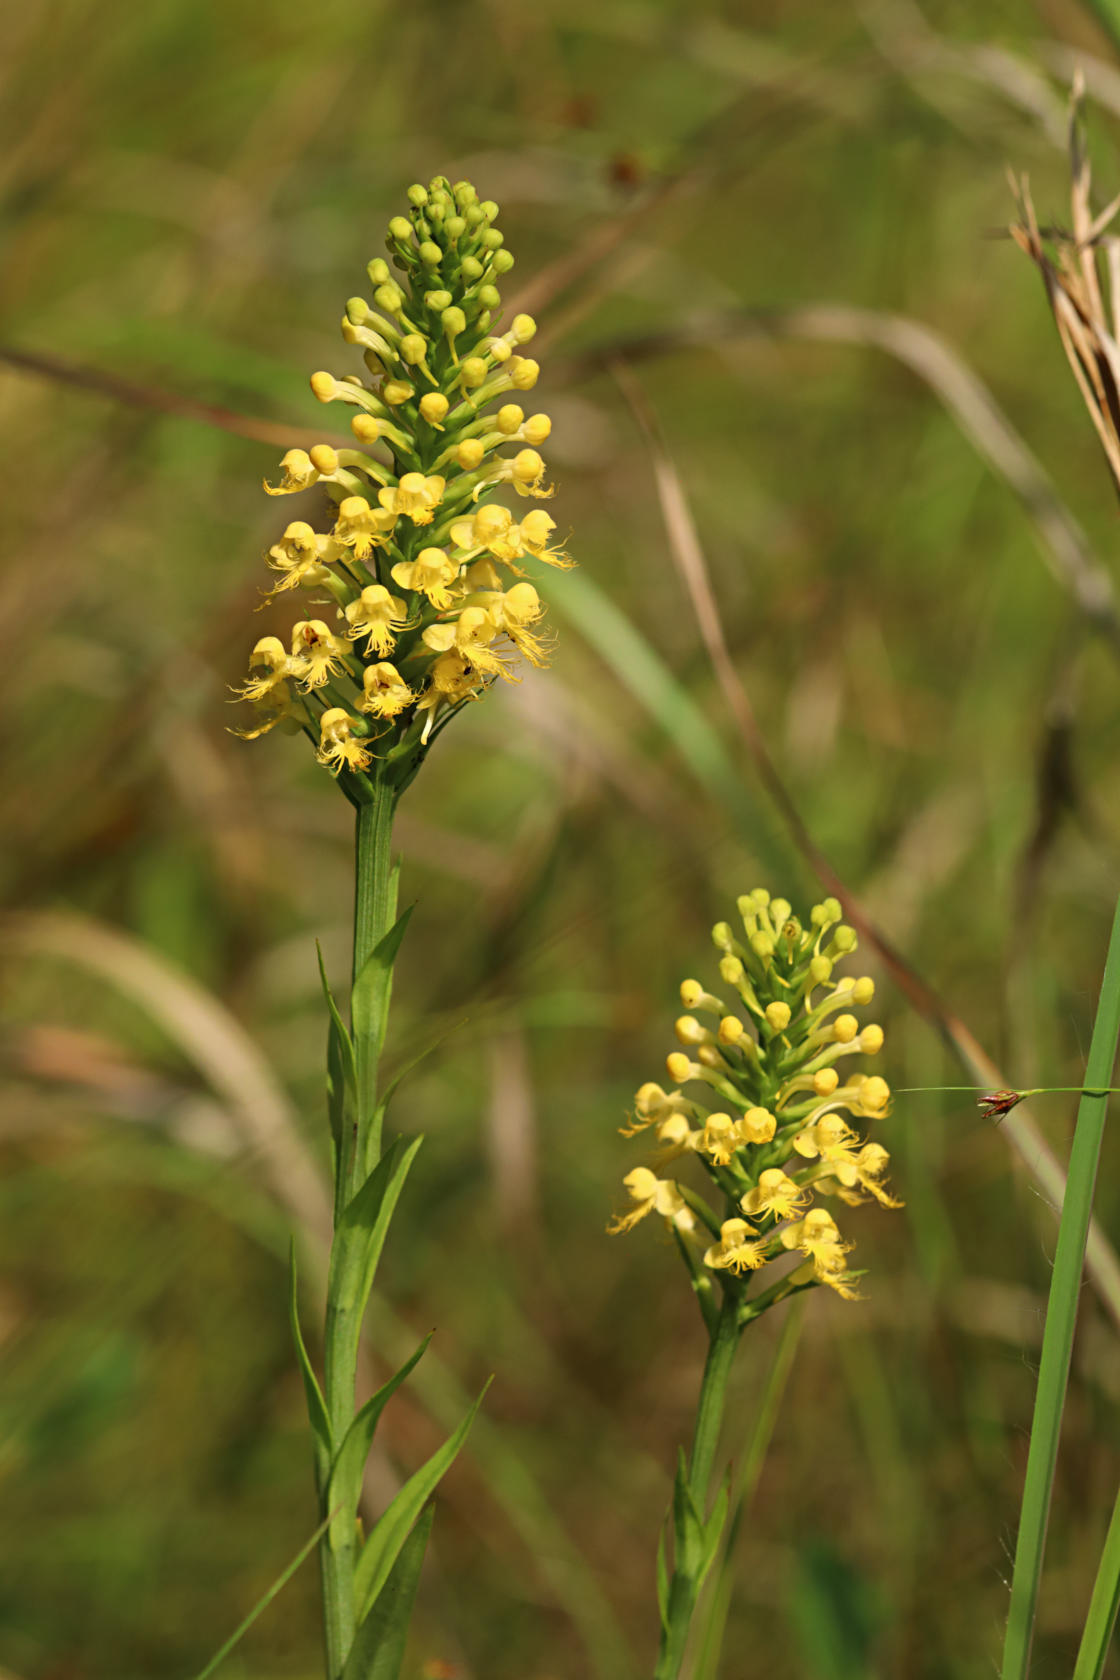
column 420, row 561
column 780, row 1132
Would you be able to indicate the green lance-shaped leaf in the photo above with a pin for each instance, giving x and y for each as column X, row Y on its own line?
column 713, row 1530
column 369, row 1012
column 316, row 1405
column 345, row 1485
column 342, row 1072
column 378, row 1648
column 362, row 1230
column 381, row 1550
column 688, row 1524
column 663, row 1577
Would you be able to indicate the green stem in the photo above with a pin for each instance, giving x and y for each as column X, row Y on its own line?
column 374, row 911
column 684, row 1588
column 375, row 905
column 1061, row 1320
column 1103, row 1605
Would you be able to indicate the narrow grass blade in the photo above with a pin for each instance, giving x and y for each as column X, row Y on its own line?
column 640, row 669
column 1061, row 1320
column 1101, row 1620
column 378, row 1649
column 262, row 1603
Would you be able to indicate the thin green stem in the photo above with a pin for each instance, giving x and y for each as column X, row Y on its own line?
column 375, row 904
column 688, row 1562
column 746, row 1480
column 1103, row 1605
column 374, row 911
column 1061, row 1319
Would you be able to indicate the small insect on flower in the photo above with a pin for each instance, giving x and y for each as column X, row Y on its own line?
column 997, row 1105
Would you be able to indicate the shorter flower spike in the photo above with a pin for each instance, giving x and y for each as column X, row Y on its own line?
column 778, row 1128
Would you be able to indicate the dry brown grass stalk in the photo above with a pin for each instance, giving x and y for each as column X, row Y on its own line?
column 1070, row 262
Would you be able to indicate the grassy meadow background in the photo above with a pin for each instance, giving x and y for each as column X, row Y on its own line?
column 189, row 194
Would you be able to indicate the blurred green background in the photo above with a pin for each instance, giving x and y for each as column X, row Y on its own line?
column 189, row 193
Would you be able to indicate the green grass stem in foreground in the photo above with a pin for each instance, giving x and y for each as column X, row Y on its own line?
column 775, row 1072
column 419, row 625
column 1057, row 1344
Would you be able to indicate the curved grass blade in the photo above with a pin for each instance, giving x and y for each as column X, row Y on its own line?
column 1061, row 1320
column 263, row 1603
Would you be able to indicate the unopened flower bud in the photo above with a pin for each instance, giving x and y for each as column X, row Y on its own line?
column 389, row 298
column 523, row 373
column 437, row 301
column 433, row 407
column 378, row 270
column 871, row 1040
column 501, row 262
column 845, row 939
column 527, row 466
column 323, row 458
column 844, row 1029
column 470, row 453
column 731, row 1029
column 691, row 993
column 489, row 297
column 453, row 322
column 492, row 238
column 322, row 385
column 778, row 1016
column 418, row 195
column 678, row 1067
column 454, row 227
column 820, row 970
column 731, row 970
column 538, row 427
column 472, row 373
column 366, row 429
column 825, row 1081
column 430, row 254
column 397, row 391
column 509, row 418
column 863, row 990
column 413, row 348
column 400, row 228
column 689, row 1030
